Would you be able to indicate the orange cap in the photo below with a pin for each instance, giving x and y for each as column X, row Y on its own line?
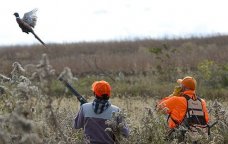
column 188, row 82
column 101, row 87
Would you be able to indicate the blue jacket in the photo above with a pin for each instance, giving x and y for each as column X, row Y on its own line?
column 94, row 124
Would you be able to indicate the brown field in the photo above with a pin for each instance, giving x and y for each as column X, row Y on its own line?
column 36, row 107
column 129, row 57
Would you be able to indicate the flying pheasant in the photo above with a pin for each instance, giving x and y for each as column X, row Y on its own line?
column 28, row 22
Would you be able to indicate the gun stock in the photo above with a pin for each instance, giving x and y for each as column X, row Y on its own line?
column 80, row 98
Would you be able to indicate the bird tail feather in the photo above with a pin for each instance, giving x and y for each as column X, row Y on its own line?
column 39, row 39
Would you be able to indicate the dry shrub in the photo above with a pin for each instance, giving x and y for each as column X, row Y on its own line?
column 29, row 107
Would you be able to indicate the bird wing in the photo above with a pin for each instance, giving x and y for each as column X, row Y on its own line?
column 30, row 18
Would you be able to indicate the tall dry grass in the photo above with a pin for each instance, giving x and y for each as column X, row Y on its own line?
column 35, row 108
column 141, row 71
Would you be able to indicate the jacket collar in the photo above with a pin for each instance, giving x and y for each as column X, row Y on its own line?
column 190, row 93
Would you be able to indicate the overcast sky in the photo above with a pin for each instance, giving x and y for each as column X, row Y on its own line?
column 61, row 21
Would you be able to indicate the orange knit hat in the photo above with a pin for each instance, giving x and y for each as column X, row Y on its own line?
column 188, row 82
column 101, row 87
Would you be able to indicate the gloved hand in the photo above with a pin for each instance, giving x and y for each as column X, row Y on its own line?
column 176, row 91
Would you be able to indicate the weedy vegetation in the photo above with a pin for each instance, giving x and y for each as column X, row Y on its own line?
column 36, row 108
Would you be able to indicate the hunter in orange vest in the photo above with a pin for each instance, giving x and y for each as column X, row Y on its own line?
column 184, row 106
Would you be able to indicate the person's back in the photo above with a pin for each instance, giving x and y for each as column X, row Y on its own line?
column 177, row 108
column 92, row 116
column 186, row 108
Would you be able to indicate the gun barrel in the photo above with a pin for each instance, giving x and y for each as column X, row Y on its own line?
column 79, row 97
column 213, row 124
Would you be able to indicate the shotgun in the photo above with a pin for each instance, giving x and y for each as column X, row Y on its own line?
column 210, row 126
column 80, row 98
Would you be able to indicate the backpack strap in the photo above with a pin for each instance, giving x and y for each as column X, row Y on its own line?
column 186, row 112
column 175, row 121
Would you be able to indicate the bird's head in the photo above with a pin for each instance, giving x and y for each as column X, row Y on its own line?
column 16, row 14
